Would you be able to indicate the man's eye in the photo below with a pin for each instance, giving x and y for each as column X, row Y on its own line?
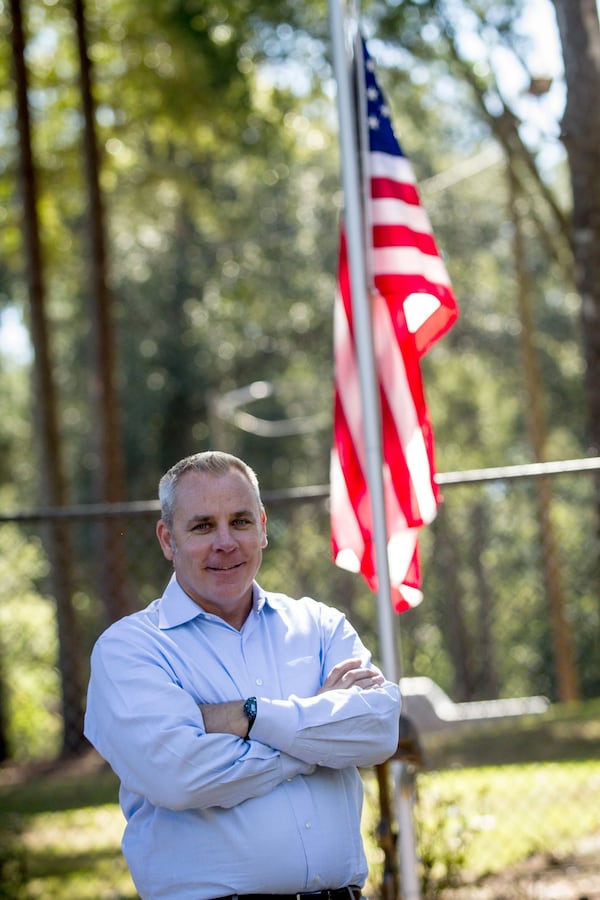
column 242, row 522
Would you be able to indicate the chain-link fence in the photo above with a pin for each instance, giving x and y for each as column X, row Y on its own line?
column 511, row 610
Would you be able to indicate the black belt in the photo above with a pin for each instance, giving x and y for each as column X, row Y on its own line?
column 338, row 894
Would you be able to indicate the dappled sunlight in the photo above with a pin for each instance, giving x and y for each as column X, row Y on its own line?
column 77, row 854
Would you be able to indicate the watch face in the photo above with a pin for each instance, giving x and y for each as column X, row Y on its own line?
column 250, row 710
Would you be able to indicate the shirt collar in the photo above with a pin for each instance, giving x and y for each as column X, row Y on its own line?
column 176, row 607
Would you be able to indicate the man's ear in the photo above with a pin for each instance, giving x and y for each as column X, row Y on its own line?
column 263, row 522
column 165, row 539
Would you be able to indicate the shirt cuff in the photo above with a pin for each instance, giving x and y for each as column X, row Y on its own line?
column 276, row 723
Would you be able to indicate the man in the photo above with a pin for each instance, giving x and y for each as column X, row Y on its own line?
column 234, row 717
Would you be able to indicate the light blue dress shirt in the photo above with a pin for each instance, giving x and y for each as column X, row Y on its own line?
column 210, row 814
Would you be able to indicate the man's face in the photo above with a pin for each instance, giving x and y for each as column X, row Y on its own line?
column 216, row 541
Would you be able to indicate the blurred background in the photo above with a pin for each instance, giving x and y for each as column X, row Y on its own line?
column 169, row 203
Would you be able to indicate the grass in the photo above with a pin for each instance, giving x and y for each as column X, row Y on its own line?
column 490, row 798
column 75, row 854
column 500, row 815
column 60, row 833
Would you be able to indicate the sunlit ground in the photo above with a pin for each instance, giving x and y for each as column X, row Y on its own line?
column 474, row 820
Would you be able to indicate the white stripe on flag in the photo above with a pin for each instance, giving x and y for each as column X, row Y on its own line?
column 384, row 165
column 410, row 261
column 392, row 373
column 390, row 211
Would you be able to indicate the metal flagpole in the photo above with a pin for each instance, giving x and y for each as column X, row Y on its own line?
column 361, row 309
column 361, row 306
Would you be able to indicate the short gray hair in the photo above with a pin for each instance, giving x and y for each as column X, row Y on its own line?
column 212, row 462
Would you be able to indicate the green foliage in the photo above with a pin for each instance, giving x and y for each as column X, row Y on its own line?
column 28, row 650
column 443, row 836
column 17, row 469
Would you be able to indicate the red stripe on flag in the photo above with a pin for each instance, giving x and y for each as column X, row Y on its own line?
column 403, row 236
column 399, row 190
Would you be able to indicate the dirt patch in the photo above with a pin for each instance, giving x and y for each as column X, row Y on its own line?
column 575, row 876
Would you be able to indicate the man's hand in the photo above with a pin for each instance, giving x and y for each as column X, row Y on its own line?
column 225, row 718
column 349, row 673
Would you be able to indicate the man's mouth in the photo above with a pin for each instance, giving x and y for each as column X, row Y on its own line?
column 223, row 568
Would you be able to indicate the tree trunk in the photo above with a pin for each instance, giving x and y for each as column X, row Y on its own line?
column 117, row 598
column 579, row 30
column 52, row 482
column 580, row 37
column 566, row 673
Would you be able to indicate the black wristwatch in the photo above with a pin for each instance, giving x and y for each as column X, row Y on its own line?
column 250, row 710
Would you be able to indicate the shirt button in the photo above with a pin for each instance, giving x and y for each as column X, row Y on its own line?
column 259, row 681
column 308, row 824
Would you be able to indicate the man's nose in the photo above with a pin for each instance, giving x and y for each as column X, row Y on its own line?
column 224, row 538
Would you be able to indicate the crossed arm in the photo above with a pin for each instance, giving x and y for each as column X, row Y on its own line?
column 230, row 718
column 145, row 727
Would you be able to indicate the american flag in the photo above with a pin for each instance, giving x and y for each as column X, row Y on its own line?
column 412, row 306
